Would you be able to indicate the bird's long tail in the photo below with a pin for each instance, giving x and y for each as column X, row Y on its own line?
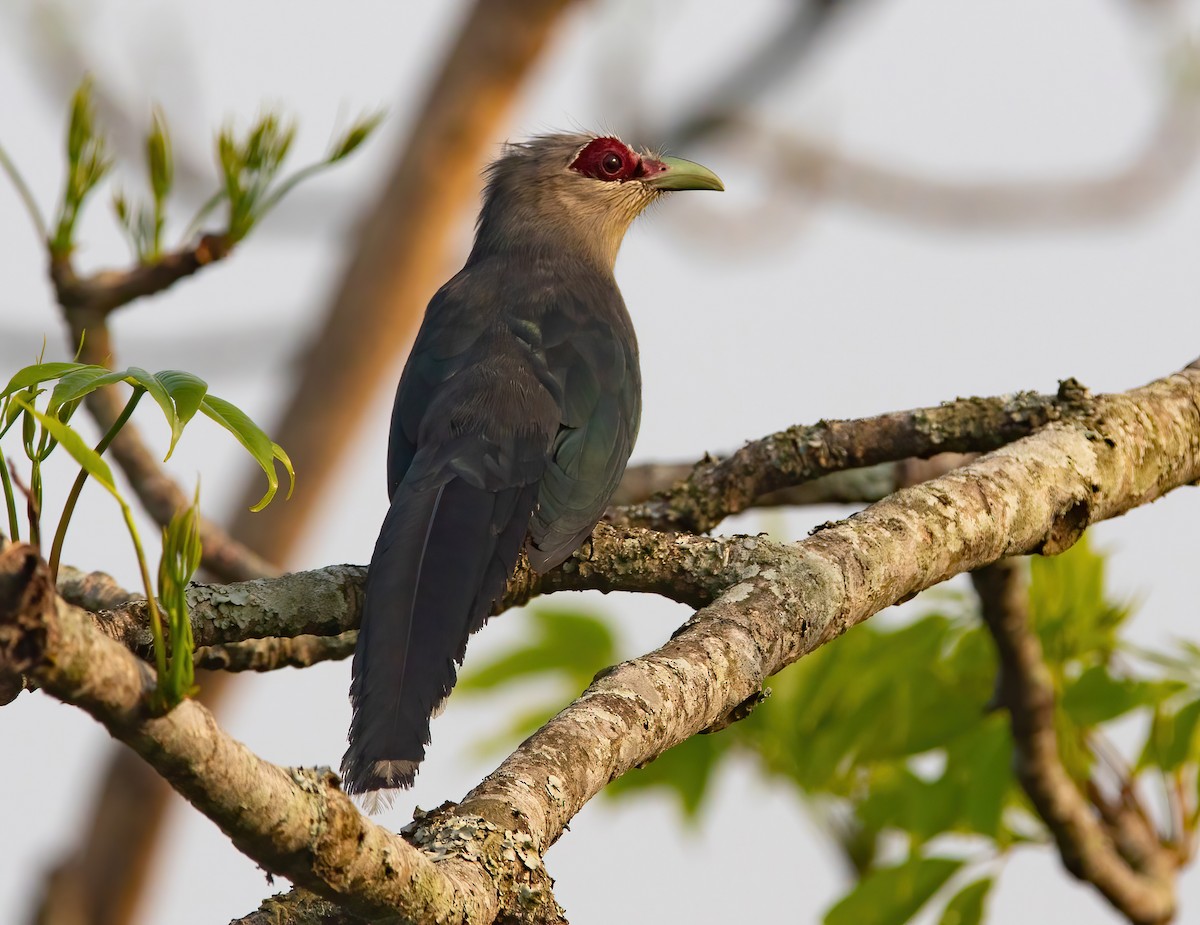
column 443, row 556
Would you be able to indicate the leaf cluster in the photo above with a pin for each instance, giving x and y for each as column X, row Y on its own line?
column 180, row 396
column 88, row 162
column 250, row 170
column 144, row 224
column 251, row 167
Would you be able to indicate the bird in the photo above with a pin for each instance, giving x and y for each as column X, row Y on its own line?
column 513, row 421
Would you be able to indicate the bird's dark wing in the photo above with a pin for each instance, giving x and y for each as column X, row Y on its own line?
column 449, row 341
column 472, row 427
column 592, row 357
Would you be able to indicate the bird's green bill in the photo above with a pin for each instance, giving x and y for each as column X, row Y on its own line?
column 678, row 174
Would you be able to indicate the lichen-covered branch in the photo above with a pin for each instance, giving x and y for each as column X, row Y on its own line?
column 294, row 822
column 322, row 602
column 865, row 485
column 763, row 605
column 717, row 488
column 297, row 907
column 1037, row 494
column 1115, row 850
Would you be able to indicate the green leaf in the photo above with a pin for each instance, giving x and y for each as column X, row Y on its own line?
column 15, row 405
column 353, row 137
column 80, row 125
column 156, row 391
column 181, row 554
column 1069, row 609
column 36, row 374
column 1096, row 697
column 159, row 161
column 187, row 392
column 257, row 443
column 966, row 908
column 1172, row 739
column 87, row 164
column 981, row 762
column 83, row 454
column 893, row 895
column 78, row 382
column 898, row 799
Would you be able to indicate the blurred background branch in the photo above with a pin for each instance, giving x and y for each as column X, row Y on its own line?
column 1111, row 844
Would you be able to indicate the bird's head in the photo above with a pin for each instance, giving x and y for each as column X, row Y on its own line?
column 577, row 191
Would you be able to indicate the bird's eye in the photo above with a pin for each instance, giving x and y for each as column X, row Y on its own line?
column 611, row 164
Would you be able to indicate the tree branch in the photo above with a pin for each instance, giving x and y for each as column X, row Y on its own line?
column 865, row 485
column 1117, row 851
column 275, row 652
column 717, row 488
column 106, row 291
column 776, row 603
column 296, row 822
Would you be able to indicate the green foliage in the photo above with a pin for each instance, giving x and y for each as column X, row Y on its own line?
column 251, row 167
column 257, row 444
column 250, row 170
column 893, row 895
column 88, row 162
column 181, row 554
column 144, row 225
column 966, row 906
column 891, row 735
column 179, row 396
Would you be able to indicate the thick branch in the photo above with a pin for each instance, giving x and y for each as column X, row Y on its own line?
column 298, row 907
column 1036, row 494
column 1144, row 892
column 776, row 604
column 295, row 822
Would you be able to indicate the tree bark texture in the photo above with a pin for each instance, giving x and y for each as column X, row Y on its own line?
column 762, row 605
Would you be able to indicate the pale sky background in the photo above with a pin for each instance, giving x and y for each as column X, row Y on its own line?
column 843, row 314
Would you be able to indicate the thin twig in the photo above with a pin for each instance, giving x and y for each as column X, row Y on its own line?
column 26, row 195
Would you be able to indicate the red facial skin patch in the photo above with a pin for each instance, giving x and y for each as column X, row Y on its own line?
column 613, row 161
